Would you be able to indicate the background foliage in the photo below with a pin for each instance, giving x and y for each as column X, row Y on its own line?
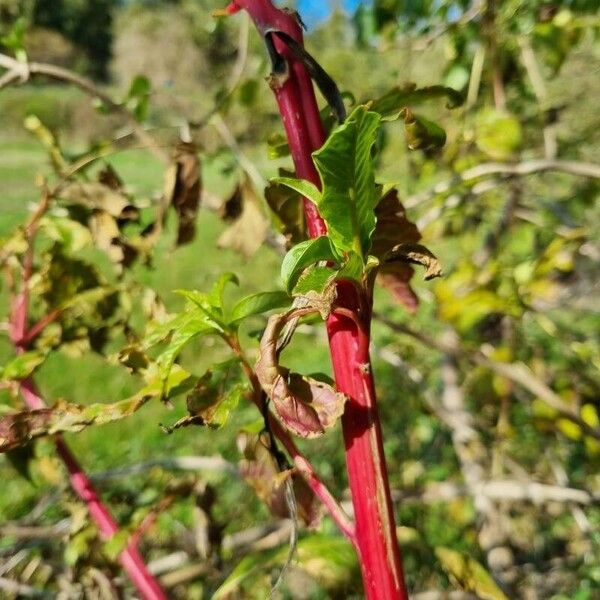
column 492, row 381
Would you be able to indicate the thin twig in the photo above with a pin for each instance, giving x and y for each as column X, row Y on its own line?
column 530, row 167
column 87, row 86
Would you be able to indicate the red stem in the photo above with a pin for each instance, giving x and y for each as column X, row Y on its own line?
column 375, row 538
column 130, row 558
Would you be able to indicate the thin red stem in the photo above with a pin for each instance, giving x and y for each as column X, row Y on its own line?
column 375, row 538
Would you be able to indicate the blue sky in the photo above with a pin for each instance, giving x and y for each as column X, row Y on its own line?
column 314, row 11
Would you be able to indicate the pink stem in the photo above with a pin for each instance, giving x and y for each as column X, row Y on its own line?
column 130, row 558
column 375, row 538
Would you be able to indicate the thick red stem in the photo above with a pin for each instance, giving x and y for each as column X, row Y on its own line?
column 375, row 537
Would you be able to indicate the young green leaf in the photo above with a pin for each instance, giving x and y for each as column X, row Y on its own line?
column 216, row 294
column 421, row 134
column 257, row 304
column 304, row 255
column 304, row 188
column 350, row 195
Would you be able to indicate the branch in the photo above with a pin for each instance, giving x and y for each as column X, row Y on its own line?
column 24, row 71
column 504, row 490
column 571, row 167
column 517, row 372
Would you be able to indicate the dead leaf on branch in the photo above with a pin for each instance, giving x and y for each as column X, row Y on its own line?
column 305, row 406
column 95, row 195
column 261, row 472
column 18, row 429
column 249, row 230
column 416, row 254
column 183, row 189
column 393, row 227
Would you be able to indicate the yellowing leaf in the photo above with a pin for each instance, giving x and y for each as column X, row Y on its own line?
column 468, row 574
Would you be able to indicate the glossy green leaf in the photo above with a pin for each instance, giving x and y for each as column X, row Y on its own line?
column 350, row 195
column 303, row 255
column 257, row 304
column 304, row 188
column 216, row 294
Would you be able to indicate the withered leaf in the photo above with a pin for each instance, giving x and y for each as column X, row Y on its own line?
column 260, row 470
column 110, row 178
column 18, row 429
column 249, row 230
column 393, row 227
column 98, row 196
column 305, row 406
column 183, row 188
column 417, row 254
column 107, row 237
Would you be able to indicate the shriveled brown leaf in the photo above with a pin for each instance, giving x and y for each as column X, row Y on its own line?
column 98, row 196
column 249, row 231
column 260, row 470
column 231, row 209
column 305, row 406
column 107, row 237
column 416, row 254
column 393, row 227
column 183, row 186
column 18, row 429
column 110, row 178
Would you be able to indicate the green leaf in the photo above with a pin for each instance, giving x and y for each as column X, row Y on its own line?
column 498, row 134
column 212, row 315
column 138, row 96
column 191, row 325
column 469, row 574
column 23, row 365
column 277, row 146
column 70, row 234
column 216, row 294
column 422, row 134
column 350, row 195
column 304, row 188
column 304, row 255
column 391, row 103
column 257, row 304
column 316, row 279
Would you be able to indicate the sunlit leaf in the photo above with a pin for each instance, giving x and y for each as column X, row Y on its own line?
column 305, row 254
column 258, row 304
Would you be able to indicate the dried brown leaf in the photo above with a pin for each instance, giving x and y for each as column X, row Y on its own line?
column 183, row 189
column 393, row 227
column 416, row 254
column 249, row 231
column 260, row 470
column 98, row 196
